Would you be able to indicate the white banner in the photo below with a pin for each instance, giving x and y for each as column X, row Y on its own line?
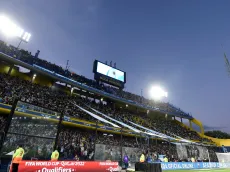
column 119, row 122
column 97, row 117
column 160, row 134
column 150, row 131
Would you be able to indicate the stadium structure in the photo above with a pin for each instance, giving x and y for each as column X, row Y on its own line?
column 46, row 108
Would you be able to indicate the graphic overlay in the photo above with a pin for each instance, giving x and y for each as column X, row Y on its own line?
column 68, row 166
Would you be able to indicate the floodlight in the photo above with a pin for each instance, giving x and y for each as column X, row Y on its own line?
column 10, row 29
column 26, row 37
column 157, row 93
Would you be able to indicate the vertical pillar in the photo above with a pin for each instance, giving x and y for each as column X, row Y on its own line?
column 6, row 129
column 121, row 144
column 10, row 69
column 169, row 148
column 71, row 90
column 190, row 124
column 95, row 141
column 58, row 131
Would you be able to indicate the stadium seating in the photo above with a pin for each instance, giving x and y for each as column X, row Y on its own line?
column 30, row 59
column 75, row 143
column 58, row 101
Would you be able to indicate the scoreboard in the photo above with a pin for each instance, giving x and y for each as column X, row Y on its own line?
column 108, row 74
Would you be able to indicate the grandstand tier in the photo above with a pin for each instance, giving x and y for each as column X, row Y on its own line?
column 84, row 120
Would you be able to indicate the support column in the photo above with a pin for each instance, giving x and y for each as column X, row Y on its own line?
column 58, row 131
column 190, row 124
column 114, row 107
column 10, row 69
column 95, row 141
column 121, row 144
column 9, row 121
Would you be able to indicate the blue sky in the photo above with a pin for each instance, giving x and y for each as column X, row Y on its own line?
column 176, row 44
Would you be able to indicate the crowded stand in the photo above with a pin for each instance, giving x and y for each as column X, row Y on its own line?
column 218, row 134
column 168, row 127
column 40, row 148
column 78, row 144
column 85, row 144
column 2, row 125
column 27, row 126
column 33, row 60
column 60, row 102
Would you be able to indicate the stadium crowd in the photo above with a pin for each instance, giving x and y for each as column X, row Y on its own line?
column 2, row 126
column 162, row 125
column 218, row 134
column 26, row 57
column 33, row 127
column 60, row 102
column 74, row 143
column 79, row 144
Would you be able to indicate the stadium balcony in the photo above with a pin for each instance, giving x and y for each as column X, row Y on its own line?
column 61, row 102
column 25, row 57
column 82, row 82
column 81, row 136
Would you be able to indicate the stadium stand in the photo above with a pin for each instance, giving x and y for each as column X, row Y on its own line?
column 56, row 100
column 218, row 134
column 76, row 143
column 28, row 58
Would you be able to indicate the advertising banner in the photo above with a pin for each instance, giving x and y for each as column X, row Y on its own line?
column 68, row 166
column 191, row 165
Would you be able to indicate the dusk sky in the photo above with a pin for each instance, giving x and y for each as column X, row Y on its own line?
column 172, row 43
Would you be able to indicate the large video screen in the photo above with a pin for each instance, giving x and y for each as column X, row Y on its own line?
column 110, row 72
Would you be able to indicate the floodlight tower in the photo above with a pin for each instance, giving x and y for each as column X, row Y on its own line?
column 227, row 64
column 25, row 37
column 226, row 61
column 10, row 29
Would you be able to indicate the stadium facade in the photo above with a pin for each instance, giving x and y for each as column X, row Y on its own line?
column 45, row 103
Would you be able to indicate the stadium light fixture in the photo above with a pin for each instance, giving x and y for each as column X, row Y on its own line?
column 157, row 93
column 10, row 29
column 34, row 76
